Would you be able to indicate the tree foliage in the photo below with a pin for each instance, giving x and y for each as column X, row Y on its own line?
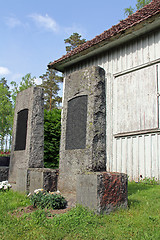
column 50, row 83
column 128, row 11
column 74, row 41
column 52, row 132
column 27, row 81
column 6, row 110
column 140, row 3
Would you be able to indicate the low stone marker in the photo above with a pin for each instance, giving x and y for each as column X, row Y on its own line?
column 102, row 192
column 36, row 178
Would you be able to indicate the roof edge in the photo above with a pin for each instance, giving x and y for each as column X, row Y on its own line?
column 102, row 42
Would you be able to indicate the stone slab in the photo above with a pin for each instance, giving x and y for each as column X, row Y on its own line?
column 21, row 181
column 102, row 192
column 86, row 193
column 36, row 178
column 83, row 135
column 29, row 155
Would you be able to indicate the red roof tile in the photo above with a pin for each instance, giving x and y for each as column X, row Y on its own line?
column 141, row 15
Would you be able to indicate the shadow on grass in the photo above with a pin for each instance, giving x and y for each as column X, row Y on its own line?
column 133, row 203
column 134, row 187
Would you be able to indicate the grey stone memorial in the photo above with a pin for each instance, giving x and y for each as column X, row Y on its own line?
column 28, row 135
column 83, row 137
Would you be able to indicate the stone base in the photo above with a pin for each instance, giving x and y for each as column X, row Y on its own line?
column 4, row 173
column 102, row 192
column 35, row 178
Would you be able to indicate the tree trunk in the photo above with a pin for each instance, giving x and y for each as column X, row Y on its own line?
column 50, row 103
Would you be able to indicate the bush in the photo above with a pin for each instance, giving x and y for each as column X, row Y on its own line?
column 48, row 200
column 52, row 133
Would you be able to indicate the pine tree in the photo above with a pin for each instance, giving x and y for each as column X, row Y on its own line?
column 140, row 3
column 74, row 40
column 50, row 83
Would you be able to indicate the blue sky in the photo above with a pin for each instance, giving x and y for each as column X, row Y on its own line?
column 33, row 31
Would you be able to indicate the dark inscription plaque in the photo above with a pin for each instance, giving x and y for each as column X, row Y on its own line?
column 76, row 123
column 21, row 130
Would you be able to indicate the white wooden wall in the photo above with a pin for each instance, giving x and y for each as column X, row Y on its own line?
column 135, row 101
column 132, row 88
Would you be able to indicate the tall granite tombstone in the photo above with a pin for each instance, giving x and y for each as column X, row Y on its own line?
column 83, row 137
column 28, row 136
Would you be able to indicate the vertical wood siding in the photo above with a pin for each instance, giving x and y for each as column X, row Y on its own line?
column 137, row 156
column 132, row 77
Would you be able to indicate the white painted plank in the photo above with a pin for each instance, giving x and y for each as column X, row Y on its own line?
column 141, row 157
column 139, row 52
column 119, row 154
column 124, row 155
column 151, row 50
column 129, row 55
column 123, row 59
column 134, row 53
column 148, row 155
column 145, row 49
column 154, row 172
column 135, row 158
column 114, row 165
column 130, row 159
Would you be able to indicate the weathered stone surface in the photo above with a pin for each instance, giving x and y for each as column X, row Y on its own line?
column 32, row 156
column 36, row 178
column 4, row 173
column 50, row 179
column 88, row 153
column 21, row 180
column 102, row 192
column 86, row 193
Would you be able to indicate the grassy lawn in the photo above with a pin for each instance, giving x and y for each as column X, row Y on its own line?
column 140, row 221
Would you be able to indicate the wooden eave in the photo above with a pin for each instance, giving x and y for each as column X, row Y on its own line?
column 142, row 28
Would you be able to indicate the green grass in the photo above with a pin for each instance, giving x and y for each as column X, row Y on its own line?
column 140, row 221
